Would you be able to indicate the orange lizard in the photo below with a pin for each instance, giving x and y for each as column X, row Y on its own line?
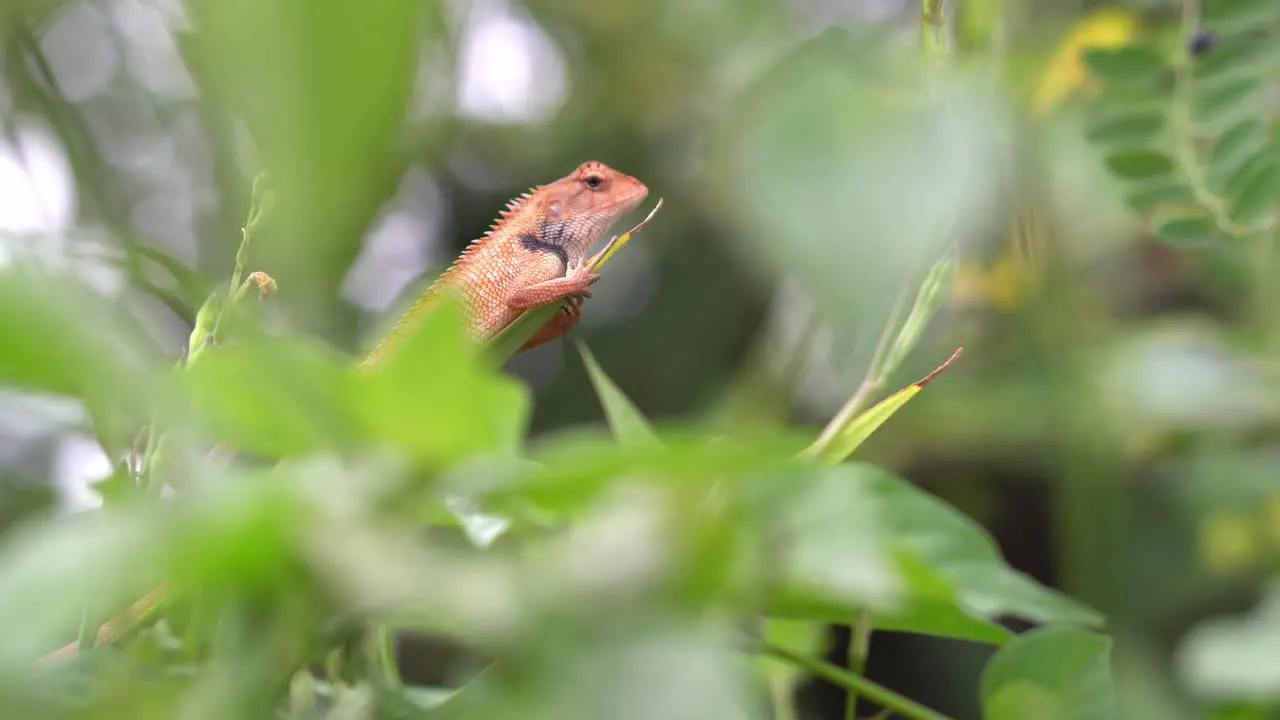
column 533, row 255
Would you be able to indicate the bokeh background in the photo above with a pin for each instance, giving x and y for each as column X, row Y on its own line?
column 1113, row 419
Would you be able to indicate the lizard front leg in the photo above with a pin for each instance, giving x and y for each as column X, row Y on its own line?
column 574, row 284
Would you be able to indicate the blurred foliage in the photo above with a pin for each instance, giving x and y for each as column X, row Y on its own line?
column 1078, row 519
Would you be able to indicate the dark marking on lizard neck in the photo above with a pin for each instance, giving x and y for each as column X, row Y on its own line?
column 533, row 243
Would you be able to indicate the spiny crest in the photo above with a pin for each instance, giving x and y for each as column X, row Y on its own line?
column 513, row 207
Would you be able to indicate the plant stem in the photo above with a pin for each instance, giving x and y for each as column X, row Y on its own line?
column 859, row 648
column 878, row 694
column 933, row 28
column 871, row 382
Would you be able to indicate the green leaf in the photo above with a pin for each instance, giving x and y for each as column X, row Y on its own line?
column 1187, row 231
column 629, row 426
column 1233, row 149
column 848, row 438
column 57, row 336
column 1050, row 674
column 1147, row 196
column 1239, row 15
column 1128, row 65
column 847, row 122
column 860, row 538
column 268, row 396
column 1229, row 101
column 1255, row 190
column 1234, row 55
column 1139, row 164
column 322, row 89
column 1126, row 129
column 435, row 399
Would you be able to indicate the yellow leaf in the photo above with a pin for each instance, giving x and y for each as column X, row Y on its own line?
column 1066, row 73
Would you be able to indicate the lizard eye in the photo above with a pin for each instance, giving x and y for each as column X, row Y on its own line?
column 594, row 182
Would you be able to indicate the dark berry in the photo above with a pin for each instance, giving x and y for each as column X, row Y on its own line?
column 1202, row 42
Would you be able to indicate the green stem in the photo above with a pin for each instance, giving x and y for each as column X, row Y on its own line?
column 871, row 382
column 878, row 694
column 386, row 655
column 933, row 28
column 859, row 649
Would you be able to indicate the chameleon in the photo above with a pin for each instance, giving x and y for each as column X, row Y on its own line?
column 534, row 254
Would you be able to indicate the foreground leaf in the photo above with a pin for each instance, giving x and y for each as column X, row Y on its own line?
column 435, row 400
column 939, row 571
column 1051, row 674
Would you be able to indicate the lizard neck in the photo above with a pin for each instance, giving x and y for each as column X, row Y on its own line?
column 571, row 239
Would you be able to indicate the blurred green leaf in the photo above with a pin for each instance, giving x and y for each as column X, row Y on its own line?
column 435, row 399
column 50, row 327
column 850, row 153
column 1126, row 65
column 869, row 540
column 277, row 398
column 628, row 424
column 1235, row 55
column 1146, row 196
column 47, row 572
column 798, row 636
column 1233, row 150
column 1230, row 15
column 1050, row 674
column 1230, row 101
column 322, row 87
column 1139, row 164
column 1255, row 189
column 1126, row 128
column 1187, row 230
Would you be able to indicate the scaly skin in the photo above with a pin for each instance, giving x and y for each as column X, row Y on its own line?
column 533, row 255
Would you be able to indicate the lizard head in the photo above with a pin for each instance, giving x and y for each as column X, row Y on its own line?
column 579, row 208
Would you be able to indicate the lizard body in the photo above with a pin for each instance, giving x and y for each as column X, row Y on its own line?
column 534, row 254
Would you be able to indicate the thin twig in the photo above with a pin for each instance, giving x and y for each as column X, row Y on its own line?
column 874, row 692
column 859, row 649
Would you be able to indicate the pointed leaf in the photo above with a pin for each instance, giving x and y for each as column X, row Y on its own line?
column 860, row 428
column 628, row 424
